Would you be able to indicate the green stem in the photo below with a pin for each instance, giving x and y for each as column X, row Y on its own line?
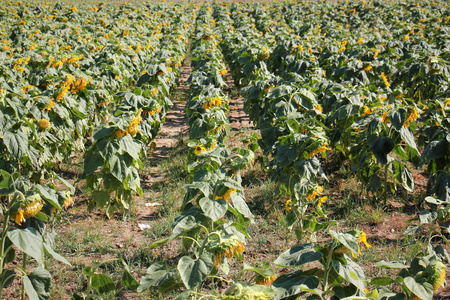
column 2, row 246
column 220, row 278
column 206, row 240
column 190, row 238
column 24, row 270
column 88, row 288
column 386, row 173
column 327, row 266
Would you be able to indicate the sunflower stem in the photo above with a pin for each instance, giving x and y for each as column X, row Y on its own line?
column 24, row 270
column 2, row 247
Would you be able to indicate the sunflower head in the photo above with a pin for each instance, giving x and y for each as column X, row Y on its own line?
column 228, row 245
column 44, row 124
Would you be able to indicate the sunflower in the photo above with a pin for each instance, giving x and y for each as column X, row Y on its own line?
column 28, row 211
column 385, row 80
column 316, row 191
column 366, row 111
column 228, row 245
column 44, row 124
column 265, row 280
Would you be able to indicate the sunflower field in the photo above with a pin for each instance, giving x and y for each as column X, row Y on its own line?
column 348, row 105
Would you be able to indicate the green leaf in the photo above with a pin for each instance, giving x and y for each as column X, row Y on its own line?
column 48, row 194
column 170, row 285
column 305, row 98
column 298, row 255
column 92, row 161
column 427, row 217
column 279, row 91
column 6, row 185
column 107, row 148
column 408, row 137
column 186, row 221
column 155, row 275
column 183, row 296
column 28, row 240
column 101, row 198
column 296, row 283
column 407, row 180
column 54, row 254
column 193, row 272
column 128, row 145
column 8, row 278
column 143, row 79
column 37, row 284
column 262, row 272
column 381, row 281
column 159, row 243
column 102, row 283
column 118, row 167
column 16, row 143
column 380, row 146
column 101, row 132
column 215, row 209
column 29, row 289
column 241, row 206
column 391, row 264
column 128, row 279
column 346, row 239
column 351, row 272
column 422, row 290
column 412, row 230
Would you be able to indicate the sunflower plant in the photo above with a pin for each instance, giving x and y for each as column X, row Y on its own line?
column 25, row 209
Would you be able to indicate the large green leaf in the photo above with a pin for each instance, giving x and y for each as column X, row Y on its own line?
column 155, row 275
column 37, row 284
column 298, row 255
column 54, row 254
column 296, row 283
column 119, row 167
column 92, row 161
column 101, row 132
column 16, row 143
column 351, row 272
column 215, row 209
column 102, row 283
column 107, row 148
column 305, row 98
column 380, row 146
column 391, row 264
column 408, row 137
column 128, row 145
column 128, row 280
column 28, row 240
column 186, row 221
column 422, row 290
column 193, row 272
column 241, row 206
column 346, row 239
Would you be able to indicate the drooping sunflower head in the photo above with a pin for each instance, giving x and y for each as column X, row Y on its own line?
column 29, row 208
column 44, row 124
column 265, row 280
column 228, row 245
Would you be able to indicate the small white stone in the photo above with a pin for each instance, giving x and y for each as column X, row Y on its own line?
column 143, row 226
